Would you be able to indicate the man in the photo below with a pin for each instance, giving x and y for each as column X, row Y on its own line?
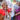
column 4, row 7
column 11, row 6
column 17, row 10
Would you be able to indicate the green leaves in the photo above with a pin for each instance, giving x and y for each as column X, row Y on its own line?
column 0, row 6
column 11, row 0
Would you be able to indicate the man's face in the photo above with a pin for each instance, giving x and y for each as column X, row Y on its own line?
column 18, row 3
column 4, row 6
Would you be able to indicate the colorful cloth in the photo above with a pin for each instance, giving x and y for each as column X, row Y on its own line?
column 17, row 10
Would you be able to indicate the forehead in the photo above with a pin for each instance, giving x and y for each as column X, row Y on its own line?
column 3, row 3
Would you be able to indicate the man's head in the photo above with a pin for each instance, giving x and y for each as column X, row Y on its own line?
column 18, row 3
column 4, row 5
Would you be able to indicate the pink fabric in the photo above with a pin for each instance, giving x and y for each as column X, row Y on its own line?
column 17, row 17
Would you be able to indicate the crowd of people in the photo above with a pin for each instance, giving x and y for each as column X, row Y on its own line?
column 11, row 11
column 5, row 11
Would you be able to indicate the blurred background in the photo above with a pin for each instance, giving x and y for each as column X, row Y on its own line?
column 12, row 1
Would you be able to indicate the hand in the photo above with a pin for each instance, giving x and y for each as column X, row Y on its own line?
column 16, row 14
column 19, row 12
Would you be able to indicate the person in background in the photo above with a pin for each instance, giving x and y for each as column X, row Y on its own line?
column 5, row 7
column 17, row 11
column 9, row 11
column 10, row 6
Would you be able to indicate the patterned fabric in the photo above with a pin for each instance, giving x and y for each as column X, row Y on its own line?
column 10, row 5
column 17, row 9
